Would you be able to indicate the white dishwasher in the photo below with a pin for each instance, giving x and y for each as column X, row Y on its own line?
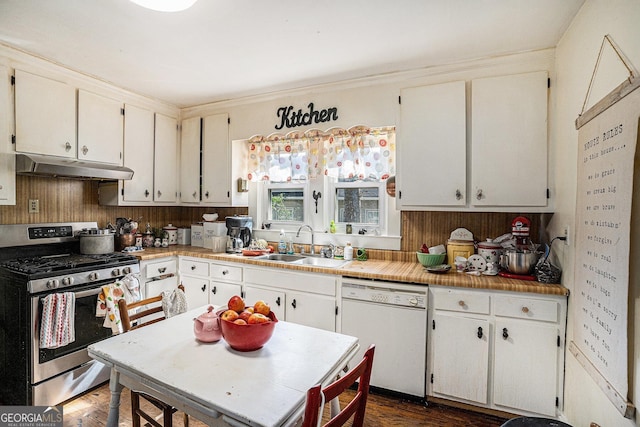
column 393, row 316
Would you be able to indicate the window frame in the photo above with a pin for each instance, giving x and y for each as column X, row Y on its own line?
column 333, row 185
column 266, row 202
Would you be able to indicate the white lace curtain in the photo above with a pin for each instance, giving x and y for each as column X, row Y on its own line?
column 356, row 154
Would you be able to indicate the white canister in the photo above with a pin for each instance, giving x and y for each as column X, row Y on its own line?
column 172, row 233
column 490, row 251
column 184, row 236
column 197, row 231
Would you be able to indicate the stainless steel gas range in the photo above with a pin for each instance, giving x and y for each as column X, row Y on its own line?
column 38, row 260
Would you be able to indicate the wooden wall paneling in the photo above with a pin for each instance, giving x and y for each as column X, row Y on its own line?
column 74, row 200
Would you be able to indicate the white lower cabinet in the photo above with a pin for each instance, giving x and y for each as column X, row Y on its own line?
column 158, row 275
column 194, row 276
column 461, row 359
column 226, row 281
column 500, row 350
column 304, row 298
column 208, row 282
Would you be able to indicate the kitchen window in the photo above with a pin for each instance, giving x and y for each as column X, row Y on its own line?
column 286, row 204
column 350, row 166
column 359, row 204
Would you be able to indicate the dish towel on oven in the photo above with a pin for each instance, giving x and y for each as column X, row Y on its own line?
column 57, row 326
column 107, row 306
column 174, row 302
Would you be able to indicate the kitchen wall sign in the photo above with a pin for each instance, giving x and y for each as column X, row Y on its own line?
column 605, row 215
column 291, row 119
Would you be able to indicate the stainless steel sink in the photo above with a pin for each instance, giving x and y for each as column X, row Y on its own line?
column 303, row 260
column 280, row 257
column 321, row 262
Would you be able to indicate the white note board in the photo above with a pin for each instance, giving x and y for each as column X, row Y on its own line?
column 606, row 154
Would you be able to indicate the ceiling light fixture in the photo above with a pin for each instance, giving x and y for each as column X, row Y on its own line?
column 165, row 5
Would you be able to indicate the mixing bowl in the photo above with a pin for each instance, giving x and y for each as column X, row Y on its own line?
column 247, row 337
column 429, row 260
column 519, row 261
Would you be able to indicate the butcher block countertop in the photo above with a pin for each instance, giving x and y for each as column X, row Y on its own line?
column 406, row 272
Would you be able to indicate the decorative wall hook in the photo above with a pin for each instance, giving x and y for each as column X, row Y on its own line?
column 316, row 196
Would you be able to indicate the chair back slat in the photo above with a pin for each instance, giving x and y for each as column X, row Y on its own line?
column 141, row 317
column 356, row 407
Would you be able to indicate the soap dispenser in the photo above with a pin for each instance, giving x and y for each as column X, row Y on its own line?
column 282, row 245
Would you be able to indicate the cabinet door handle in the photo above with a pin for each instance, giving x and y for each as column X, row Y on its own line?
column 159, row 193
column 278, row 301
column 204, row 287
column 162, row 270
column 146, row 193
column 461, row 303
column 214, row 290
column 206, row 194
column 458, row 195
column 479, row 194
column 505, row 333
column 525, row 309
column 67, row 146
column 293, row 303
column 225, row 272
column 85, row 150
column 193, row 267
column 480, row 334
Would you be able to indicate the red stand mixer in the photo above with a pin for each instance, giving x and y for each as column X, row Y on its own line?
column 518, row 263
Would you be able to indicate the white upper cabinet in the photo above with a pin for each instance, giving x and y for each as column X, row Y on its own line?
column 216, row 160
column 432, row 146
column 100, row 128
column 205, row 161
column 500, row 163
column 138, row 153
column 509, row 140
column 45, row 115
column 7, row 156
column 190, row 161
column 165, row 159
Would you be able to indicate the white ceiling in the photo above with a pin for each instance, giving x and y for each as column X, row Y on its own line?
column 223, row 49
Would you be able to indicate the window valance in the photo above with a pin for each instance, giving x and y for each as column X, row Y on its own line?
column 359, row 153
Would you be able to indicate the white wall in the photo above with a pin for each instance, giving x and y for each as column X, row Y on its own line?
column 576, row 56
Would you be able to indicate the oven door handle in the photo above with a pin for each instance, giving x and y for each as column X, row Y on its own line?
column 89, row 292
column 82, row 294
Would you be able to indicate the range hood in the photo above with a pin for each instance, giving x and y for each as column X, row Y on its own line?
column 34, row 164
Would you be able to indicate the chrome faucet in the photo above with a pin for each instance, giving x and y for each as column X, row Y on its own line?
column 328, row 251
column 313, row 251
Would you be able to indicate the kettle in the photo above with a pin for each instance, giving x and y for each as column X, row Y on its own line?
column 206, row 327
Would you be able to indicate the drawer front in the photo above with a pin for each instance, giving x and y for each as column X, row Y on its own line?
column 194, row 267
column 226, row 272
column 287, row 279
column 526, row 308
column 157, row 269
column 465, row 302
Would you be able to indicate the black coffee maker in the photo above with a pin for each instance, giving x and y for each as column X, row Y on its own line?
column 239, row 231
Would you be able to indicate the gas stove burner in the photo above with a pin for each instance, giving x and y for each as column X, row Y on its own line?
column 64, row 262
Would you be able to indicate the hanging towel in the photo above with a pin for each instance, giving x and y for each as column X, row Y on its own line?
column 57, row 326
column 107, row 305
column 174, row 302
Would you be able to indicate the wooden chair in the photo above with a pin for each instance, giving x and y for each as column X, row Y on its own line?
column 357, row 405
column 137, row 320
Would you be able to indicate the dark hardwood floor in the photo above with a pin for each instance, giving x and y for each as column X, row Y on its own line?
column 90, row 410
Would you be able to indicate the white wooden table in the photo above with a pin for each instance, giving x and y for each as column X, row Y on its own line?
column 216, row 384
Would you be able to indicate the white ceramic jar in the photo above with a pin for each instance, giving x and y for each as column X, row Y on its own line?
column 172, row 234
column 490, row 251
